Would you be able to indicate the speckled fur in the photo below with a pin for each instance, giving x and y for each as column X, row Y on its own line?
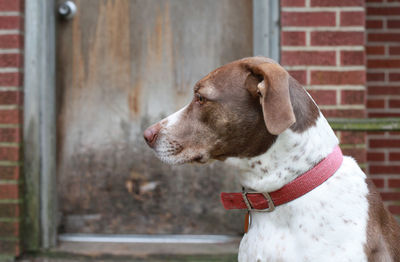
column 327, row 224
column 341, row 220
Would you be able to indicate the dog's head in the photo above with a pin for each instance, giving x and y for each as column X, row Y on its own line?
column 237, row 110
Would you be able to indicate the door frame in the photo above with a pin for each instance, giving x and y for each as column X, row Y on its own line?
column 39, row 131
column 39, row 134
column 266, row 21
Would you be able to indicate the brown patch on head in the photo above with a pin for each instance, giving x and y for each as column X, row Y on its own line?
column 383, row 231
column 233, row 113
column 274, row 96
column 227, row 118
column 223, row 120
column 304, row 108
column 284, row 100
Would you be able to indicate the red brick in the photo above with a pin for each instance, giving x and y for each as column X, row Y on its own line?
column 10, row 79
column 383, row 114
column 394, row 156
column 383, row 37
column 352, row 18
column 375, row 50
column 383, row 63
column 9, row 210
column 384, row 90
column 384, row 143
column 10, row 97
column 287, row 3
column 359, row 154
column 9, row 247
column 9, row 172
column 374, row 24
column 394, row 103
column 352, row 57
column 375, row 103
column 374, row 77
column 348, row 113
column 299, row 75
column 395, row 210
column 381, row 169
column 387, row 196
column 308, row 58
column 394, row 50
column 379, row 183
column 394, row 183
column 11, row 41
column 10, row 135
column 374, row 1
column 8, row 191
column 352, row 97
column 293, row 38
column 385, row 11
column 308, row 18
column 375, row 156
column 11, row 5
column 337, row 77
column 10, row 22
column 9, row 154
column 324, row 97
column 9, row 229
column 394, row 77
column 332, row 38
column 10, row 60
column 337, row 3
column 393, row 23
column 11, row 116
column 347, row 137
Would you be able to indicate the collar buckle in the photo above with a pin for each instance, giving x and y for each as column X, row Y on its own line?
column 267, row 196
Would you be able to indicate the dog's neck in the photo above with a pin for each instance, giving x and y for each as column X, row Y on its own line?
column 291, row 155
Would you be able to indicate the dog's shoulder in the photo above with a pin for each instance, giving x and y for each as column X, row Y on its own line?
column 383, row 232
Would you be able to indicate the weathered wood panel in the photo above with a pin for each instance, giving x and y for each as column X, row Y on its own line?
column 121, row 66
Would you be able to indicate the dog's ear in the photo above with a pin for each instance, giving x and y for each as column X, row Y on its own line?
column 274, row 96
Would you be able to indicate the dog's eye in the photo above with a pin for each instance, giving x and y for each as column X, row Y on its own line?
column 259, row 93
column 200, row 99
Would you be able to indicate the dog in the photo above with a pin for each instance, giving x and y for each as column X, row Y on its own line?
column 252, row 114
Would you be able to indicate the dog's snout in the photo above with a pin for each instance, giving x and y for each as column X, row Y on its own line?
column 151, row 134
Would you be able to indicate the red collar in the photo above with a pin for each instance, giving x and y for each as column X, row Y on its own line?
column 300, row 186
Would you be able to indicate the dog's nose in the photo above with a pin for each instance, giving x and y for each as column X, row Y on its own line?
column 151, row 134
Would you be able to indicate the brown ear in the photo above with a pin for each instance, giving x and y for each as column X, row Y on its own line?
column 275, row 99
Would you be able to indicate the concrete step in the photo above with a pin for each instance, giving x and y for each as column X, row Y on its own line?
column 135, row 251
column 67, row 257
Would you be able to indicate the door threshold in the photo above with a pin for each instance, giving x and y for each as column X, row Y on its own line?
column 151, row 239
column 147, row 245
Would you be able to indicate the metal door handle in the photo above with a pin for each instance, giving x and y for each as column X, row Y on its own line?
column 67, row 9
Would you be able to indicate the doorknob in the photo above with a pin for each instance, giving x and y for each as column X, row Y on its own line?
column 67, row 9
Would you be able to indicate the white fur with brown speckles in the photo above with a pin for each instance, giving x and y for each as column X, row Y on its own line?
column 327, row 224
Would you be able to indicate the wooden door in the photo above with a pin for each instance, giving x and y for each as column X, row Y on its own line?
column 122, row 65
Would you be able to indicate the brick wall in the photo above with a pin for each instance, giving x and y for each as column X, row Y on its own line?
column 383, row 96
column 11, row 64
column 323, row 48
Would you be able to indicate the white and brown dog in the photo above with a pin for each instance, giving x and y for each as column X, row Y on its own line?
column 253, row 114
